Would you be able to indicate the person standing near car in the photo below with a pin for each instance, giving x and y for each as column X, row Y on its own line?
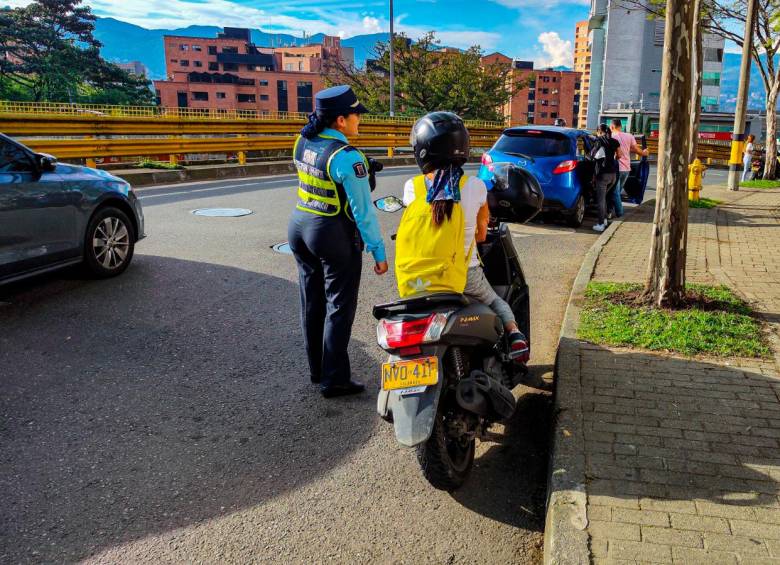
column 605, row 153
column 628, row 146
column 747, row 158
column 332, row 223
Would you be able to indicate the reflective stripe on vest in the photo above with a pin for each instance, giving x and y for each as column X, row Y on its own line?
column 317, row 192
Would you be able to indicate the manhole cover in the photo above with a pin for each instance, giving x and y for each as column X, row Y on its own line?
column 222, row 212
column 282, row 248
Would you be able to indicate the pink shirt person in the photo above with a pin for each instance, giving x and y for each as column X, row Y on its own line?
column 627, row 146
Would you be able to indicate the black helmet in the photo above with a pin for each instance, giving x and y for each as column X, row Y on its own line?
column 439, row 139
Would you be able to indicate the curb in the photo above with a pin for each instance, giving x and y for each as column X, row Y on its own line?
column 565, row 538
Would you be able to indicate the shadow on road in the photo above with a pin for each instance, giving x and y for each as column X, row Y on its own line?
column 165, row 397
column 509, row 480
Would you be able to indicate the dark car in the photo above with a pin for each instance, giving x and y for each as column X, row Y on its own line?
column 558, row 158
column 53, row 215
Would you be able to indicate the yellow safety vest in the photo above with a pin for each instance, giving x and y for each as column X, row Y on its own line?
column 430, row 258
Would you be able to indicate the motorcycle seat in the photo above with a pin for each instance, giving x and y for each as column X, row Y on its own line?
column 420, row 303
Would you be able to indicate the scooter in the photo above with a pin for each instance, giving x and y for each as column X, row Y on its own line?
column 449, row 377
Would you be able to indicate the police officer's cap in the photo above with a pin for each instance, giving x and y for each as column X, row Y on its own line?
column 339, row 100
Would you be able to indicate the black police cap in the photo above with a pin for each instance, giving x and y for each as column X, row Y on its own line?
column 339, row 100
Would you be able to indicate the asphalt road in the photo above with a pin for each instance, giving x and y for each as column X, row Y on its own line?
column 165, row 415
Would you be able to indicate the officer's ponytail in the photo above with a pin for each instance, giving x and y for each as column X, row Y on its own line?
column 318, row 121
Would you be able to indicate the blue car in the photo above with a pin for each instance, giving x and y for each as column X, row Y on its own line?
column 53, row 215
column 557, row 157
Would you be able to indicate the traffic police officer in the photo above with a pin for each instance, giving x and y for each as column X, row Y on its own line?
column 332, row 223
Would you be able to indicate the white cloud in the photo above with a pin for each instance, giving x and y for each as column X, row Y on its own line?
column 371, row 25
column 557, row 52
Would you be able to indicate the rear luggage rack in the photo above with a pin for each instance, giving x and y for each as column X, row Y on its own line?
column 418, row 303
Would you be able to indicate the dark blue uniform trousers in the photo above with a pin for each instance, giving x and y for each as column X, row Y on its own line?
column 329, row 257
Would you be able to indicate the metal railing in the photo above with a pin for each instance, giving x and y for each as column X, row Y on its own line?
column 105, row 110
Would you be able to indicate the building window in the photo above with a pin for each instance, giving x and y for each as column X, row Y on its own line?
column 281, row 96
column 230, row 49
column 184, row 63
column 712, row 54
column 553, row 114
column 288, row 66
column 174, row 60
column 711, row 79
column 197, row 48
column 555, row 79
column 305, row 95
column 544, row 102
column 251, row 67
column 213, row 66
column 545, row 90
column 243, row 98
column 263, row 83
column 200, row 96
column 532, row 95
column 543, row 115
column 229, row 66
column 263, row 97
column 221, row 96
column 197, row 63
column 532, row 108
column 183, row 47
column 212, row 49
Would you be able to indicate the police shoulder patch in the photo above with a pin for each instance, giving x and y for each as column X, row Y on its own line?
column 360, row 170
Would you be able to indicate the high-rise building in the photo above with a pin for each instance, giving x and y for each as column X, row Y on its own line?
column 134, row 68
column 230, row 72
column 549, row 95
column 582, row 66
column 626, row 47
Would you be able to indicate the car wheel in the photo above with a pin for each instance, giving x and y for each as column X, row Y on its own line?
column 109, row 244
column 577, row 215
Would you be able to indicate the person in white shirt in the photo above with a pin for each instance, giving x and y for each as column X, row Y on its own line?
column 473, row 200
column 747, row 159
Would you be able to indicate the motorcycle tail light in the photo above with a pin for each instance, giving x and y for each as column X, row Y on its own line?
column 396, row 334
column 565, row 167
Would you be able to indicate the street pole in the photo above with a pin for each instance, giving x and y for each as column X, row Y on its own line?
column 738, row 136
column 392, row 65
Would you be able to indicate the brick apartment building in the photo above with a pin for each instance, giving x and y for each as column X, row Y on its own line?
column 550, row 94
column 582, row 66
column 229, row 72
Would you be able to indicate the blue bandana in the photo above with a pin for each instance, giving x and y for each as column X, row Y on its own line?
column 446, row 185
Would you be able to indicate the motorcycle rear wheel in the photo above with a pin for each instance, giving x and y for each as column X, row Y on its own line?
column 445, row 461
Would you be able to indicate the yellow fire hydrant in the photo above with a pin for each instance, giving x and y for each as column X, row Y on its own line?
column 695, row 176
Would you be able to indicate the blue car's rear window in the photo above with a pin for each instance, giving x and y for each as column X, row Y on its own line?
column 535, row 143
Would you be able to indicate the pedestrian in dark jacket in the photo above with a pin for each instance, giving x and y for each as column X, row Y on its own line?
column 605, row 154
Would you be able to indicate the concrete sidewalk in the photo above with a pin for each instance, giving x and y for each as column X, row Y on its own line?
column 680, row 457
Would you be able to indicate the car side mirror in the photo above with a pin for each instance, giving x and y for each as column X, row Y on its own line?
column 389, row 204
column 46, row 163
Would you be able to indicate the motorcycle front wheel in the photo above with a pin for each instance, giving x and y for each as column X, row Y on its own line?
column 446, row 459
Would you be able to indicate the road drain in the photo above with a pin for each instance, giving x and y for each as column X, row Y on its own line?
column 222, row 212
column 282, row 248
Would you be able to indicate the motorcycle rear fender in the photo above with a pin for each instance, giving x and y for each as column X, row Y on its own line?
column 414, row 414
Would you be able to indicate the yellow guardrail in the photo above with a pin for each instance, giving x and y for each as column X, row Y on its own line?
column 104, row 110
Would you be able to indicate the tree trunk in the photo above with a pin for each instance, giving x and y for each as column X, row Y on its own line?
column 770, row 147
column 665, row 283
column 698, row 69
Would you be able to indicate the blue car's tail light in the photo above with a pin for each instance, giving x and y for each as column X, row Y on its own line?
column 565, row 167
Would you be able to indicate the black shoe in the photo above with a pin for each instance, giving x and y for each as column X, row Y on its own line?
column 316, row 379
column 352, row 387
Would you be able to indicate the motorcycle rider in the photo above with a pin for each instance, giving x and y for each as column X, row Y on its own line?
column 441, row 147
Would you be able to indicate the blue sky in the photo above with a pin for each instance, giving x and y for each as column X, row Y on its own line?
column 531, row 29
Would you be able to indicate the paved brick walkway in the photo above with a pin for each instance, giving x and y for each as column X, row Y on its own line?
column 683, row 455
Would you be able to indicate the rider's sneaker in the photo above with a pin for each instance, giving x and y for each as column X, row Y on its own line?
column 518, row 347
column 600, row 227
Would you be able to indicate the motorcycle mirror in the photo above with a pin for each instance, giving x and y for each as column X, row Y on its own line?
column 389, row 204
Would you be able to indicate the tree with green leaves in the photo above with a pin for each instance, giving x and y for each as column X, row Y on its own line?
column 48, row 53
column 430, row 78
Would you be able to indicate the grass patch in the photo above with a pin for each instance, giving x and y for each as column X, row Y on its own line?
column 704, row 203
column 760, row 184
column 714, row 321
column 149, row 164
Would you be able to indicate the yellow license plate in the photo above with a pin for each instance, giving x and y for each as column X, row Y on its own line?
column 412, row 373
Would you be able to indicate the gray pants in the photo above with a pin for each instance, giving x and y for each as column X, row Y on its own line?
column 603, row 183
column 478, row 288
